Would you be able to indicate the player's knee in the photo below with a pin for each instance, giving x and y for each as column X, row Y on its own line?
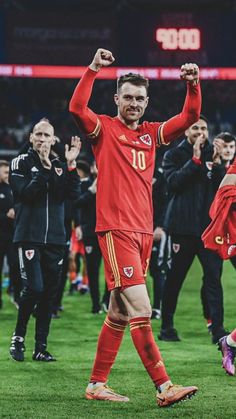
column 141, row 310
column 116, row 314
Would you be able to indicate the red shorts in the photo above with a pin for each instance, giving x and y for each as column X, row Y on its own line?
column 126, row 257
column 76, row 246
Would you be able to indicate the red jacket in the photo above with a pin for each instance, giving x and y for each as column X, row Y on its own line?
column 220, row 235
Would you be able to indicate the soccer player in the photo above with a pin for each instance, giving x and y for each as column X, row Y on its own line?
column 40, row 184
column 125, row 155
column 220, row 236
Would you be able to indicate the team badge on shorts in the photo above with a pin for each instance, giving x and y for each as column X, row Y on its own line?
column 58, row 171
column 176, row 247
column 146, row 139
column 88, row 249
column 29, row 254
column 128, row 271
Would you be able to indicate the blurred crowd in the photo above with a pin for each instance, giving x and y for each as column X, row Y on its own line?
column 20, row 110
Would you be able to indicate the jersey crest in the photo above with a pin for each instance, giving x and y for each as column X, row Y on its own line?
column 146, row 139
column 209, row 165
column 128, row 271
column 58, row 171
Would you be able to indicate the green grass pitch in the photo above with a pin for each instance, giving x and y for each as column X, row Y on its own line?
column 56, row 390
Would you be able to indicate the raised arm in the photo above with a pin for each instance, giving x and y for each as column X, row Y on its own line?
column 87, row 120
column 176, row 126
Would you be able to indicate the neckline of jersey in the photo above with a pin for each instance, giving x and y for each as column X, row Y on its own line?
column 125, row 126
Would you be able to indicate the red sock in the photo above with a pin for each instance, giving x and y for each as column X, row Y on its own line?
column 141, row 332
column 233, row 335
column 108, row 345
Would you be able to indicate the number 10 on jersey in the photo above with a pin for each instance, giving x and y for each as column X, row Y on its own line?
column 139, row 161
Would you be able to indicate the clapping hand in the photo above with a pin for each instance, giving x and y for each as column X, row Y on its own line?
column 218, row 145
column 198, row 145
column 72, row 152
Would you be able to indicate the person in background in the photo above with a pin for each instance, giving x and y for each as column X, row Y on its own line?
column 40, row 184
column 7, row 248
column 160, row 249
column 220, row 237
column 226, row 158
column 86, row 203
column 193, row 172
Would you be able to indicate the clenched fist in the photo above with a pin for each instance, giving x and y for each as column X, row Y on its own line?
column 102, row 58
column 190, row 72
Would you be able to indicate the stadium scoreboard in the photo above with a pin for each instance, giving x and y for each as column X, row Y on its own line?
column 179, row 38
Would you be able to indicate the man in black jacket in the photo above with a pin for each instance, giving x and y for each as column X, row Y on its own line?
column 7, row 215
column 40, row 185
column 86, row 203
column 160, row 254
column 193, row 171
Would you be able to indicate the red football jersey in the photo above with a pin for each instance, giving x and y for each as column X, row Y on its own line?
column 125, row 160
column 126, row 157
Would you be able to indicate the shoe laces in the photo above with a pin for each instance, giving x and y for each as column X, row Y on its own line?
column 109, row 388
column 172, row 387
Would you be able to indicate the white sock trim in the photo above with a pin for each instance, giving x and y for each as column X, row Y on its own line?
column 163, row 386
column 230, row 341
column 97, row 384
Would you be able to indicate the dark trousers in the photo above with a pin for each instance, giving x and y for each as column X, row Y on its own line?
column 184, row 249
column 93, row 257
column 159, row 264
column 8, row 249
column 62, row 282
column 40, row 272
column 205, row 305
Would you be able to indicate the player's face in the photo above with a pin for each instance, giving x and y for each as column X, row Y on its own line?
column 228, row 151
column 42, row 133
column 131, row 101
column 4, row 174
column 198, row 128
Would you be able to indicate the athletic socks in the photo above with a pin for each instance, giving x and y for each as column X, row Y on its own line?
column 109, row 341
column 148, row 350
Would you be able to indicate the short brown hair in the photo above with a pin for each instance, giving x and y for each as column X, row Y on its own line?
column 133, row 78
column 226, row 137
column 4, row 163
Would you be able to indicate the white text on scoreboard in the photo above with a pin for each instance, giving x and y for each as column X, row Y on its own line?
column 181, row 38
